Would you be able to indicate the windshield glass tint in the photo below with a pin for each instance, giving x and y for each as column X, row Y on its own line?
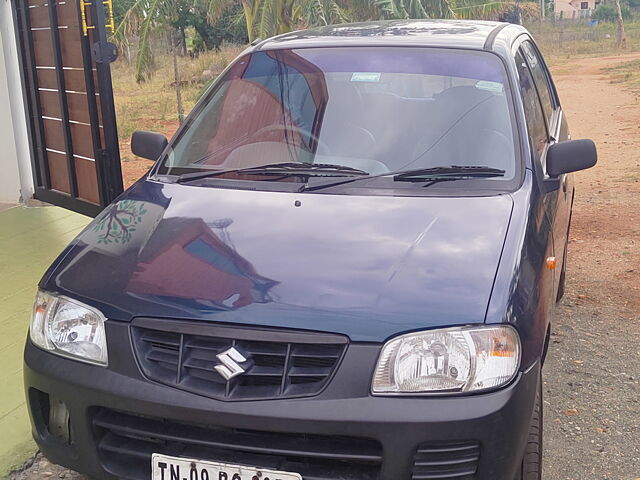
column 374, row 109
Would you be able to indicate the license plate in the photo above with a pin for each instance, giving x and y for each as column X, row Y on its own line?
column 164, row 467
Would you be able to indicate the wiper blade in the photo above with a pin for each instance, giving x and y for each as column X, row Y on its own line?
column 279, row 169
column 188, row 177
column 450, row 172
column 454, row 172
column 297, row 168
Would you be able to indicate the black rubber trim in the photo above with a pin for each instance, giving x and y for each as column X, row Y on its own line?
column 239, row 332
column 488, row 43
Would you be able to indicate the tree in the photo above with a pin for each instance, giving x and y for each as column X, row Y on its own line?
column 391, row 9
column 146, row 17
column 265, row 18
column 622, row 39
column 324, row 12
column 120, row 7
column 609, row 13
column 228, row 26
column 614, row 13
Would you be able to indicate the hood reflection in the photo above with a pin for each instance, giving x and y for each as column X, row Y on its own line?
column 204, row 267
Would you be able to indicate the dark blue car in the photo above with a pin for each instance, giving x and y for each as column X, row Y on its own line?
column 343, row 266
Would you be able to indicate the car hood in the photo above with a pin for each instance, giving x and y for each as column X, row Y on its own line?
column 365, row 266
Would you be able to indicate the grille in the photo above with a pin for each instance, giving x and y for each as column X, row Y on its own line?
column 126, row 443
column 298, row 366
column 456, row 461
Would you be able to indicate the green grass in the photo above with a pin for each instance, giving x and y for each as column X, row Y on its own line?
column 627, row 73
column 152, row 105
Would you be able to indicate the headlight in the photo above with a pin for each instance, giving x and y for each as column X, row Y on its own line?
column 68, row 328
column 452, row 360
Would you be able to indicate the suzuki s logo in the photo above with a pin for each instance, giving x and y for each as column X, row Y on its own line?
column 230, row 363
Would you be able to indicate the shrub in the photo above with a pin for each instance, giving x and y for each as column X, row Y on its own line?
column 607, row 13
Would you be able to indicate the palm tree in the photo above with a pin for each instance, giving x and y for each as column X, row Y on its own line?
column 265, row 18
column 144, row 18
column 392, row 9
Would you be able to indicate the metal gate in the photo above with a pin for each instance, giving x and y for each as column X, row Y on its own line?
column 71, row 120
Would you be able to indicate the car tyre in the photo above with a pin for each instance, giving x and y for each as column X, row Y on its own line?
column 531, row 467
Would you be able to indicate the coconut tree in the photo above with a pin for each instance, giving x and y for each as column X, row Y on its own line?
column 150, row 18
column 264, row 18
column 146, row 18
column 392, row 9
column 323, row 12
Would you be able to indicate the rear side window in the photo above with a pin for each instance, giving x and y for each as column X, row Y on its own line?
column 541, row 79
column 536, row 127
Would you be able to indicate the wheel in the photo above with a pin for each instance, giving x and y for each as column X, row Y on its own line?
column 531, row 467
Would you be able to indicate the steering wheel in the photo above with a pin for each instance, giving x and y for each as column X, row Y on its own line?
column 366, row 133
column 284, row 128
column 501, row 146
column 487, row 147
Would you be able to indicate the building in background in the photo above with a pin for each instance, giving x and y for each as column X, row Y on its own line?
column 16, row 179
column 574, row 9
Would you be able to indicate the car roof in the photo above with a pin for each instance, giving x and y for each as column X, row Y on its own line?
column 472, row 34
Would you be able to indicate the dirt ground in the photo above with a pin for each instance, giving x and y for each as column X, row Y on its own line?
column 592, row 376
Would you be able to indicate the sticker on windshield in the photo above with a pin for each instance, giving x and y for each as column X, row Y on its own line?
column 365, row 77
column 491, row 86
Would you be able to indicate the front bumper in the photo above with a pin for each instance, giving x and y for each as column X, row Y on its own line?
column 117, row 418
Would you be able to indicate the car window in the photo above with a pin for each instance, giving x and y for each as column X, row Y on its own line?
column 377, row 109
column 536, row 127
column 540, row 76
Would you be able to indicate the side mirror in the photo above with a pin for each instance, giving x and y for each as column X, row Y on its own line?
column 148, row 145
column 571, row 156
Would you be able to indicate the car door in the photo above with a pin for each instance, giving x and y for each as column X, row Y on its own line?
column 541, row 228
column 546, row 125
column 557, row 202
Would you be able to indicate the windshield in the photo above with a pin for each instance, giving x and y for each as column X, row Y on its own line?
column 374, row 109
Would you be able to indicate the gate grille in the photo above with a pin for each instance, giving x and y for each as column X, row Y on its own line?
column 69, row 97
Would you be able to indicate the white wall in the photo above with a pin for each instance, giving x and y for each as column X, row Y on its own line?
column 16, row 183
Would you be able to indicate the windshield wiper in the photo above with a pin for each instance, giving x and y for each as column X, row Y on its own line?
column 431, row 175
column 280, row 169
column 453, row 172
column 303, row 169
